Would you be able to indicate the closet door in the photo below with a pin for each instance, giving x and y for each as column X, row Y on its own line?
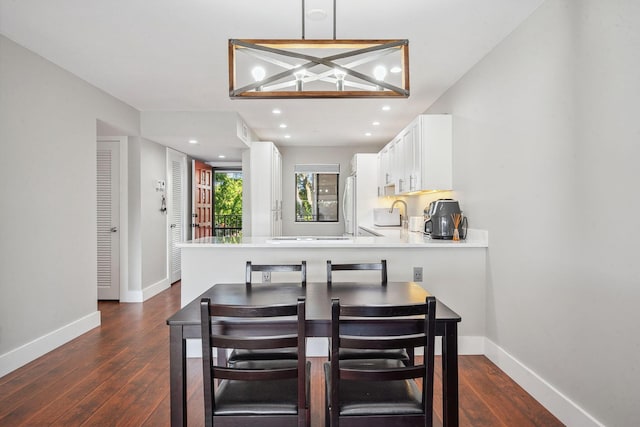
column 108, row 219
column 176, row 174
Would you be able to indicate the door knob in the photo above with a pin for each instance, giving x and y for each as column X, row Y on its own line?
column 172, row 226
column 113, row 229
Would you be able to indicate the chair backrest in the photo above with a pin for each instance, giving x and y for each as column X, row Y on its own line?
column 354, row 327
column 382, row 266
column 216, row 325
column 302, row 268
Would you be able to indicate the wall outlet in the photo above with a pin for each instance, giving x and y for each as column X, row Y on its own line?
column 417, row 274
column 266, row 277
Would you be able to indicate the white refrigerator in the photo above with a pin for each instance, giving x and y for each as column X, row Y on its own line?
column 360, row 195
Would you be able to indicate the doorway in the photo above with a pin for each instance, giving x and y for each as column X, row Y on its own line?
column 227, row 217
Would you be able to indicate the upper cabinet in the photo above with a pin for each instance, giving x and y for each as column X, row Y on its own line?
column 265, row 189
column 420, row 158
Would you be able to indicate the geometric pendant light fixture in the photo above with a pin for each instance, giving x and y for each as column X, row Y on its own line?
column 260, row 69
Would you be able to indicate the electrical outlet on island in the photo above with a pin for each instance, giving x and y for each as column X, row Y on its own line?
column 266, row 277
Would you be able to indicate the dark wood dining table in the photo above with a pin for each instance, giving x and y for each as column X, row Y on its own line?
column 185, row 324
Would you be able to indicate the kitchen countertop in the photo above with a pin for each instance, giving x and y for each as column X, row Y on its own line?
column 390, row 237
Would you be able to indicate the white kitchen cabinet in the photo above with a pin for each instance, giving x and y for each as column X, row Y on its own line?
column 265, row 189
column 384, row 171
column 396, row 163
column 420, row 158
column 413, row 158
column 435, row 134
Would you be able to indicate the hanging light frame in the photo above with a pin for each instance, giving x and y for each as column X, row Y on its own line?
column 286, row 55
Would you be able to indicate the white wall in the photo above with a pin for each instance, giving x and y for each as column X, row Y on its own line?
column 546, row 146
column 147, row 237
column 292, row 156
column 48, row 286
column 153, row 167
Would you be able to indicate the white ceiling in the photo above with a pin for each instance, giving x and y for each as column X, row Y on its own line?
column 171, row 55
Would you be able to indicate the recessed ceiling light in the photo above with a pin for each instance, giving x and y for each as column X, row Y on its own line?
column 376, row 123
column 367, row 134
column 193, row 141
column 221, row 156
column 395, row 69
column 276, row 111
column 287, row 136
column 386, row 108
column 283, row 126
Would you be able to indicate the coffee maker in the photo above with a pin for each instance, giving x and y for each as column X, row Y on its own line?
column 440, row 223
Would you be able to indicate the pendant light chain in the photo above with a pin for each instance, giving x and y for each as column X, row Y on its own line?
column 303, row 19
column 334, row 19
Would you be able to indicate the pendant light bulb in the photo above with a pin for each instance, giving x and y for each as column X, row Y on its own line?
column 299, row 75
column 380, row 72
column 340, row 75
column 258, row 73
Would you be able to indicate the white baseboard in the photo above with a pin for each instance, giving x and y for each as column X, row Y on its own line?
column 155, row 289
column 146, row 293
column 131, row 296
column 567, row 411
column 30, row 351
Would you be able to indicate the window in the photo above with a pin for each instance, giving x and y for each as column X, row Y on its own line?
column 317, row 193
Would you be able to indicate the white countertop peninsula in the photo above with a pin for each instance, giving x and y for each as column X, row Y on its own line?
column 390, row 237
column 455, row 272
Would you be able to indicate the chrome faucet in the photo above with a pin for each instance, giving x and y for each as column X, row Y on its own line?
column 399, row 201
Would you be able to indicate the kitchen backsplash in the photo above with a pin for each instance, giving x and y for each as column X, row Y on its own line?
column 417, row 203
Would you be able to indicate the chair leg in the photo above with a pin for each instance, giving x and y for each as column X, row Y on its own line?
column 326, row 415
column 412, row 356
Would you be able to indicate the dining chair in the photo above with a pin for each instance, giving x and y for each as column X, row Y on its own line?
column 382, row 266
column 251, row 268
column 406, row 355
column 268, row 354
column 254, row 393
column 380, row 392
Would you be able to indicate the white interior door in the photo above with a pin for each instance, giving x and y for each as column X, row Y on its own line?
column 108, row 219
column 176, row 197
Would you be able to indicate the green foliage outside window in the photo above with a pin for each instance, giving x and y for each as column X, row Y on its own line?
column 304, row 197
column 228, row 200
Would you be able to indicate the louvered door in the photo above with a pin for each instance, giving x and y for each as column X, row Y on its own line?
column 176, row 220
column 108, row 220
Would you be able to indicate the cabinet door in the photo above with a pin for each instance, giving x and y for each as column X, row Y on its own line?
column 396, row 164
column 384, row 169
column 266, row 190
column 413, row 157
column 276, row 198
column 436, row 143
column 380, row 174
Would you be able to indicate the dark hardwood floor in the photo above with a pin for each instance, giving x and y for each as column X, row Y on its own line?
column 118, row 374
